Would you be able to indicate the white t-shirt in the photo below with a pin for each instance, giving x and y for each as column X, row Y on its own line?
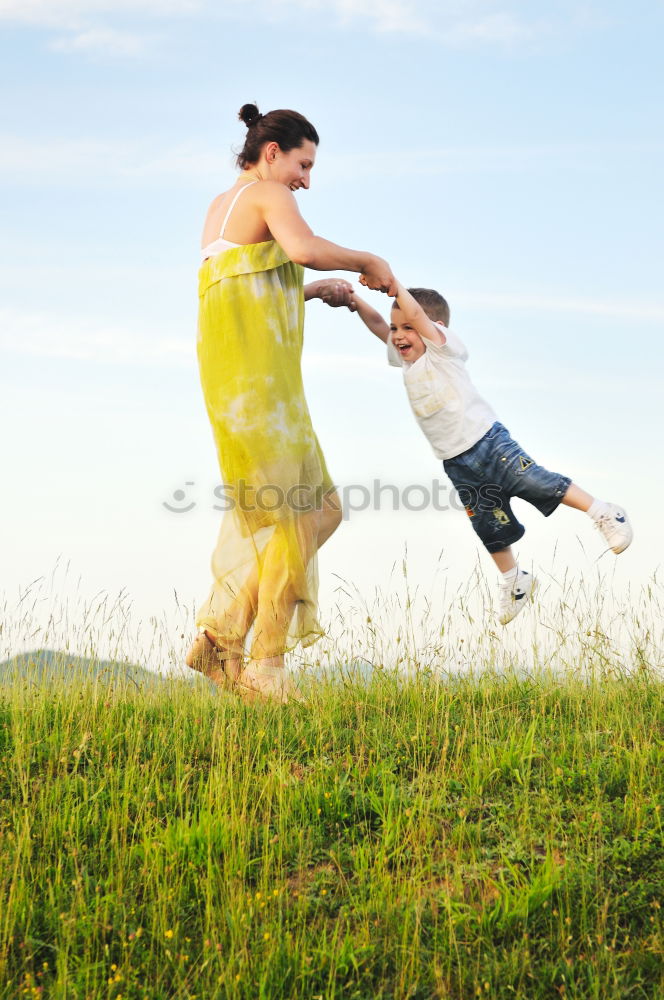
column 446, row 404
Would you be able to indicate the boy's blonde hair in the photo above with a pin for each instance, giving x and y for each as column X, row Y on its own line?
column 433, row 304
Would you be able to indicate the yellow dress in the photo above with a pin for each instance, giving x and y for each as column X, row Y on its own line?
column 250, row 335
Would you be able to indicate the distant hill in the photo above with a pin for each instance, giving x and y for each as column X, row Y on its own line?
column 47, row 665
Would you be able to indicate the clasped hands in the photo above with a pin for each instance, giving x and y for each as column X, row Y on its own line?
column 337, row 292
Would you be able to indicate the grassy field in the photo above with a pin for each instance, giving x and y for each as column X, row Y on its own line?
column 486, row 836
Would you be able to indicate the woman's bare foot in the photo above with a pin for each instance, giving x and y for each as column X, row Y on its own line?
column 267, row 680
column 267, row 662
column 205, row 657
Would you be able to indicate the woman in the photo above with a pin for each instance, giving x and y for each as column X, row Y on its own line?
column 280, row 502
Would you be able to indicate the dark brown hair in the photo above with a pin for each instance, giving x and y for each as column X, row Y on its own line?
column 287, row 128
column 433, row 304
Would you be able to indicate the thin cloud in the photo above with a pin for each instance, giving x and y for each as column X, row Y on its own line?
column 76, row 338
column 567, row 381
column 615, row 309
column 41, row 335
column 409, row 16
column 449, row 22
column 502, row 28
column 101, row 40
column 512, row 158
column 72, row 13
column 347, row 366
column 73, row 160
column 83, row 27
column 24, row 159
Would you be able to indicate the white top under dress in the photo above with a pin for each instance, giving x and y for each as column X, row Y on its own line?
column 220, row 244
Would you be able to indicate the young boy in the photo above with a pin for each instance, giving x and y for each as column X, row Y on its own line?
column 485, row 465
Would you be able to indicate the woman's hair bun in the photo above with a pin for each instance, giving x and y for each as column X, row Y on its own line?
column 287, row 128
column 249, row 114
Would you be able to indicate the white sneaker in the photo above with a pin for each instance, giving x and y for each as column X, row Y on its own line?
column 515, row 596
column 614, row 525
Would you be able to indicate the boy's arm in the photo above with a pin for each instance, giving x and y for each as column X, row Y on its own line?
column 336, row 292
column 416, row 316
column 371, row 319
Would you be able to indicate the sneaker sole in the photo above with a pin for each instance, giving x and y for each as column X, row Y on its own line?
column 625, row 545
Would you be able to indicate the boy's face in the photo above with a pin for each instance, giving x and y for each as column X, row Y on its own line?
column 407, row 341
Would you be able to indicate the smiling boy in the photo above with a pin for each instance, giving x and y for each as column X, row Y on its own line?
column 484, row 463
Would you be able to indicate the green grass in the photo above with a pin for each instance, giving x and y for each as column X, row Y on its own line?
column 489, row 836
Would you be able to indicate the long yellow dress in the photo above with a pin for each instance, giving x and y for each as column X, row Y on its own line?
column 250, row 336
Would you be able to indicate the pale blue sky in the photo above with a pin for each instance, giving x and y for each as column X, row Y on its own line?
column 511, row 159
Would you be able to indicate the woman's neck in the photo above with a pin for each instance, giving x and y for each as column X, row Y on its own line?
column 257, row 172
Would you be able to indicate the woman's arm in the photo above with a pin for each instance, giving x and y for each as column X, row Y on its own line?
column 292, row 233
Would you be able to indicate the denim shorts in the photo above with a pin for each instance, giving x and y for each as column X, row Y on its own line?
column 493, row 471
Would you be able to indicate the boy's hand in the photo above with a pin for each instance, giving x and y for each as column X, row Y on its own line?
column 336, row 292
column 377, row 275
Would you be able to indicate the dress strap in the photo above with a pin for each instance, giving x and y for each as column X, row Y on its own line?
column 232, row 206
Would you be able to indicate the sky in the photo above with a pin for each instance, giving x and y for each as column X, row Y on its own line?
column 510, row 157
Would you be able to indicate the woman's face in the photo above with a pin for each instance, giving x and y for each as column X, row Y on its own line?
column 294, row 168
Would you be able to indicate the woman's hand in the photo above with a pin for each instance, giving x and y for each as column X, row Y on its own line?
column 377, row 275
column 333, row 291
column 337, row 293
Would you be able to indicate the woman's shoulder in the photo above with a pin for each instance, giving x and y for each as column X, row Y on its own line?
column 214, row 205
column 269, row 191
column 218, row 199
column 258, row 191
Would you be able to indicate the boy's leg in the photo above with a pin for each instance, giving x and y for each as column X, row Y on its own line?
column 494, row 523
column 516, row 586
column 577, row 498
column 610, row 519
column 522, row 477
column 504, row 560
